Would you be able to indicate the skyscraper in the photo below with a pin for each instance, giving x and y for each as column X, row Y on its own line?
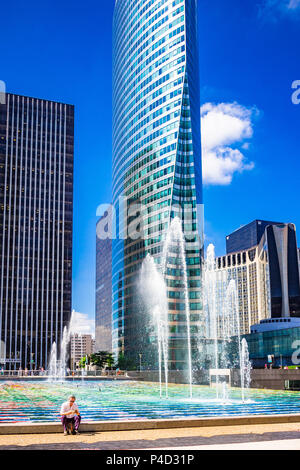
column 278, row 334
column 267, row 280
column 156, row 161
column 36, row 213
column 280, row 242
column 249, row 270
column 248, row 236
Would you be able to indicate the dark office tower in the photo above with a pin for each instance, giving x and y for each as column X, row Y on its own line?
column 247, row 236
column 156, row 165
column 281, row 245
column 103, row 341
column 36, row 211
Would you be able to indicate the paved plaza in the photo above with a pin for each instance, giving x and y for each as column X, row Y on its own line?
column 254, row 437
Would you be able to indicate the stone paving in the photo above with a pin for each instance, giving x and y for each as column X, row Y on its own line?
column 252, row 436
column 288, row 444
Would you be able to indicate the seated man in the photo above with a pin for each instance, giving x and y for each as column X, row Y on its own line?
column 70, row 416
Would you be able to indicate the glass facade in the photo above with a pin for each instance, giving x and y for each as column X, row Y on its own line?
column 280, row 244
column 156, row 161
column 103, row 294
column 282, row 344
column 36, row 216
column 247, row 236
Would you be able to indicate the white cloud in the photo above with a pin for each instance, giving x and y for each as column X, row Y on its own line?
column 293, row 4
column 226, row 129
column 274, row 9
column 82, row 324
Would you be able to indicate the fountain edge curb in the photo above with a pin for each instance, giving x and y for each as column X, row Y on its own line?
column 106, row 426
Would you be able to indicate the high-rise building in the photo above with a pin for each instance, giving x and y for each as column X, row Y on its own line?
column 267, row 281
column 280, row 242
column 248, row 236
column 280, row 245
column 36, row 213
column 278, row 334
column 249, row 270
column 103, row 322
column 81, row 345
column 156, row 163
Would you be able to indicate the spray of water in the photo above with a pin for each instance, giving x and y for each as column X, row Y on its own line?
column 57, row 367
column 52, row 369
column 210, row 305
column 245, row 368
column 64, row 352
column 175, row 240
column 223, row 318
column 154, row 293
column 224, row 392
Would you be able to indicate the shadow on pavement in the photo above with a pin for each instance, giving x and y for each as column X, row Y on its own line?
column 158, row 443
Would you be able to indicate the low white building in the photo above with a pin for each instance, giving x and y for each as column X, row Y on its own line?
column 81, row 345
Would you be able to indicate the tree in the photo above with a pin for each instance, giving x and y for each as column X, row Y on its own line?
column 83, row 362
column 110, row 360
column 102, row 359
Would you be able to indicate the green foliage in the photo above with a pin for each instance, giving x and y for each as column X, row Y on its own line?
column 102, row 359
column 82, row 363
column 110, row 360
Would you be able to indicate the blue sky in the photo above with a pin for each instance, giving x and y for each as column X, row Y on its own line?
column 249, row 57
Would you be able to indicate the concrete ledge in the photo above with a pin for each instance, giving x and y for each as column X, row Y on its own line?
column 103, row 426
column 68, row 379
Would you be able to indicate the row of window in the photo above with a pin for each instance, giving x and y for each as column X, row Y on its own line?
column 160, row 132
column 126, row 142
column 150, row 118
column 132, row 99
column 136, row 104
column 135, row 53
column 149, row 179
column 166, row 98
column 159, row 163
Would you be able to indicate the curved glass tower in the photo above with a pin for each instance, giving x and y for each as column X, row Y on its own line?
column 156, row 162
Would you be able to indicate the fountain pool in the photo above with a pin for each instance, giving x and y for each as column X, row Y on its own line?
column 130, row 400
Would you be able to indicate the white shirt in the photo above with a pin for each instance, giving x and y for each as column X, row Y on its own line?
column 65, row 407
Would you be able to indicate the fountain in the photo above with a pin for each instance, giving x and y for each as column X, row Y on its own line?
column 57, row 367
column 36, row 401
column 232, row 330
column 134, row 400
column 245, row 368
column 229, row 326
column 64, row 352
column 175, row 243
column 224, row 392
column 52, row 369
column 210, row 305
column 154, row 292
column 153, row 289
column 223, row 324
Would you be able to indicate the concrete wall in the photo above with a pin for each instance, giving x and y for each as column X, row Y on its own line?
column 273, row 379
column 176, row 377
